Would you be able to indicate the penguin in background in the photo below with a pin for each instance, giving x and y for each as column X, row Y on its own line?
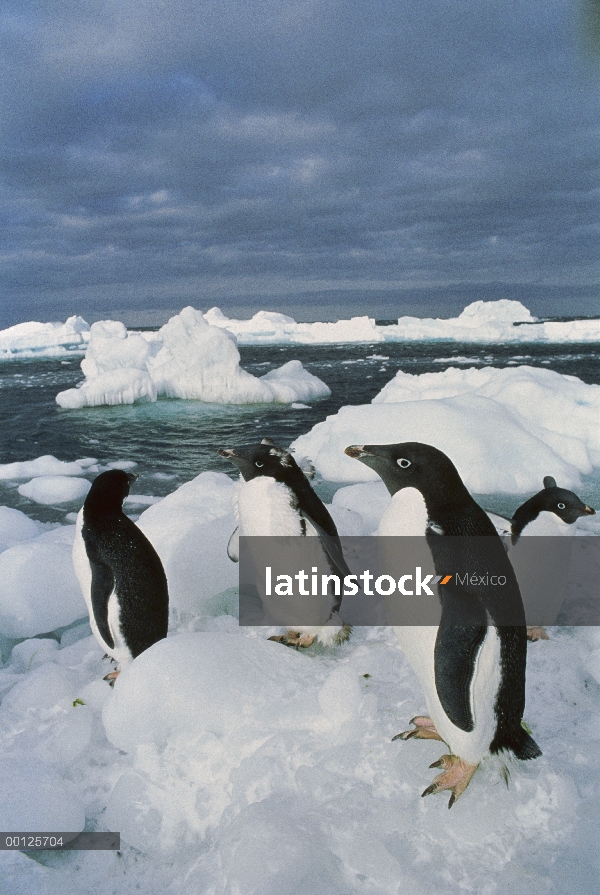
column 120, row 574
column 275, row 499
column 552, row 512
column 472, row 673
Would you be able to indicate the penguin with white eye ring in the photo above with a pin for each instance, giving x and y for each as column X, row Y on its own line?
column 552, row 512
column 275, row 499
column 472, row 673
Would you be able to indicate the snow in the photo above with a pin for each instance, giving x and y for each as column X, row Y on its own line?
column 15, row 526
column 187, row 358
column 39, row 590
column 230, row 764
column 44, row 339
column 543, row 423
column 53, row 489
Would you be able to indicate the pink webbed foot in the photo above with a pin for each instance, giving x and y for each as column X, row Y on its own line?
column 111, row 677
column 424, row 729
column 455, row 777
column 295, row 639
column 536, row 633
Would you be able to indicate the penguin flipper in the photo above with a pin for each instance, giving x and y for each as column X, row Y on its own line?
column 103, row 584
column 233, row 547
column 331, row 546
column 455, row 652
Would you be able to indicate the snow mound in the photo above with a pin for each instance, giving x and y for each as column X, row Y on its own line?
column 44, row 339
column 543, row 423
column 53, row 489
column 190, row 530
column 187, row 358
column 39, row 590
column 36, row 799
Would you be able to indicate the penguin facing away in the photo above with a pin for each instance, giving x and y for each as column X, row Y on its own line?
column 119, row 572
column 472, row 674
column 552, row 512
column 275, row 499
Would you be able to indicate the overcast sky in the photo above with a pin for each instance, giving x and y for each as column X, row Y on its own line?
column 370, row 156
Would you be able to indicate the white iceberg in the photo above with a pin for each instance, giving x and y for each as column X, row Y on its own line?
column 46, row 466
column 269, row 327
column 34, row 339
column 503, row 428
column 187, row 358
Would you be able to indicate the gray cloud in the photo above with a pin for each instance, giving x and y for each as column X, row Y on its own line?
column 364, row 154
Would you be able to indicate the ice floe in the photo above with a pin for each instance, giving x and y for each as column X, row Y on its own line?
column 187, row 358
column 55, row 489
column 33, row 339
column 500, row 427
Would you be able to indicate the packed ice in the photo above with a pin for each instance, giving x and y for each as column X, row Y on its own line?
column 186, row 358
column 540, row 420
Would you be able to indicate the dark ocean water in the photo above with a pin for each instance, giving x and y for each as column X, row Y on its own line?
column 179, row 439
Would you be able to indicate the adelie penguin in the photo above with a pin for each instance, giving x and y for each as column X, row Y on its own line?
column 120, row 574
column 275, row 499
column 552, row 512
column 471, row 667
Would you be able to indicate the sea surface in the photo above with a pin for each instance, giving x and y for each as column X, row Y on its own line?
column 172, row 441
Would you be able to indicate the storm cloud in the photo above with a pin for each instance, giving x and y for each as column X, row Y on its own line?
column 314, row 156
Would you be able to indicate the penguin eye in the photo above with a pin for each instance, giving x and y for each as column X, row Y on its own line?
column 258, row 463
column 403, row 462
column 560, row 506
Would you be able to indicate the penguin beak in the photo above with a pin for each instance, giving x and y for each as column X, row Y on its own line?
column 228, row 453
column 357, row 451
column 132, row 477
column 589, row 511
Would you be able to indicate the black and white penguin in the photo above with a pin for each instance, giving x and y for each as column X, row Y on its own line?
column 552, row 512
column 275, row 499
column 119, row 572
column 473, row 673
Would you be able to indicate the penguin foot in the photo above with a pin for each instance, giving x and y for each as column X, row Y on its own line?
column 535, row 634
column 295, row 639
column 424, row 729
column 111, row 677
column 456, row 777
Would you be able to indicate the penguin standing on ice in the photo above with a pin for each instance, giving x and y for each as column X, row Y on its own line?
column 552, row 512
column 276, row 499
column 471, row 667
column 119, row 572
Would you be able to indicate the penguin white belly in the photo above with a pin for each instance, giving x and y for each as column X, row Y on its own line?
column 542, row 573
column 264, row 507
column 407, row 515
column 418, row 645
column 83, row 571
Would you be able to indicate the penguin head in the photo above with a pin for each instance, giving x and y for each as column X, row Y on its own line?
column 563, row 503
column 266, row 459
column 408, row 465
column 108, row 492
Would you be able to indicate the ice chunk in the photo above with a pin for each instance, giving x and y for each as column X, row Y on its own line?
column 190, row 529
column 36, row 799
column 268, row 327
column 46, row 465
column 15, row 526
column 542, row 423
column 39, row 590
column 30, row 653
column 369, row 500
column 187, row 358
column 44, row 339
column 54, row 489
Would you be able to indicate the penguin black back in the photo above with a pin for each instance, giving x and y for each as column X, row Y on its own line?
column 123, row 562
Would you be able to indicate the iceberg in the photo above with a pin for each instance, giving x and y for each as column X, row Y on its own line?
column 187, row 358
column 504, row 429
column 269, row 327
column 34, row 339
